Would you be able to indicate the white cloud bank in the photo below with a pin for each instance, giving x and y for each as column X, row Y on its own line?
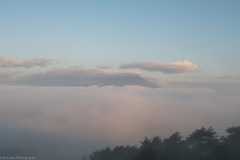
column 58, row 122
column 116, row 114
column 172, row 67
column 13, row 62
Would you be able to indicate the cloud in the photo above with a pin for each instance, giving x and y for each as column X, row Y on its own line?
column 85, row 77
column 5, row 74
column 116, row 114
column 7, row 77
column 173, row 67
column 194, row 83
column 13, row 62
column 103, row 67
column 230, row 78
column 59, row 122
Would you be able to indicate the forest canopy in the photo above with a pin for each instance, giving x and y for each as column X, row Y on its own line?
column 201, row 144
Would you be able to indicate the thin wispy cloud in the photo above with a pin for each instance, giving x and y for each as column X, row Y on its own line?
column 13, row 62
column 103, row 67
column 230, row 78
column 167, row 68
column 85, row 77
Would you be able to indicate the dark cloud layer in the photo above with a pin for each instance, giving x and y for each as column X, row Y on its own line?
column 174, row 67
column 85, row 77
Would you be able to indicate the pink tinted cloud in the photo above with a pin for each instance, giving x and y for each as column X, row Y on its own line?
column 172, row 67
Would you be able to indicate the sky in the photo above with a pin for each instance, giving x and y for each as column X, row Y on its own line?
column 76, row 76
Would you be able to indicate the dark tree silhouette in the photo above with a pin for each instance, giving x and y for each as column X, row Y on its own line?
column 202, row 144
column 118, row 153
column 174, row 148
column 149, row 149
column 232, row 143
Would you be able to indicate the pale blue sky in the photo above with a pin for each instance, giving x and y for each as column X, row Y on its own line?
column 113, row 32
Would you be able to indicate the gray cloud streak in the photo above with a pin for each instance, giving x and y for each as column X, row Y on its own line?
column 173, row 67
column 13, row 62
column 103, row 67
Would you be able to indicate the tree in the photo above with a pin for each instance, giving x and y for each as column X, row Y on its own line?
column 174, row 148
column 157, row 143
column 104, row 154
column 150, row 149
column 232, row 143
column 124, row 153
column 84, row 158
column 174, row 139
column 201, row 143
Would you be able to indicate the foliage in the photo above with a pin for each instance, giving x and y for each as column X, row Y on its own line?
column 202, row 144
